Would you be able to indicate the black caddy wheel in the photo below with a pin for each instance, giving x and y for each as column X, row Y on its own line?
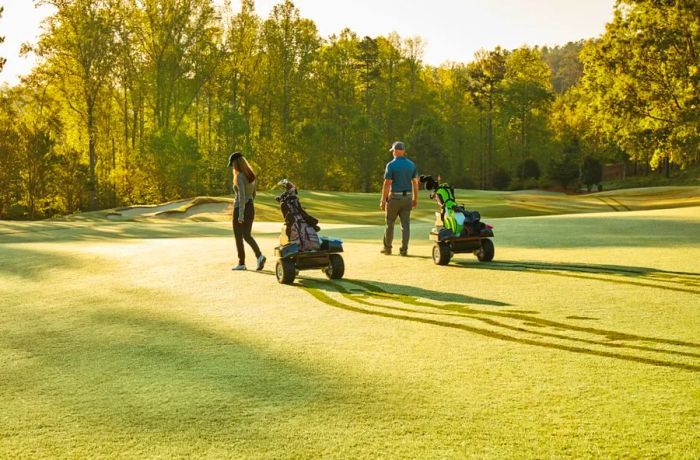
column 442, row 254
column 285, row 271
column 487, row 251
column 336, row 267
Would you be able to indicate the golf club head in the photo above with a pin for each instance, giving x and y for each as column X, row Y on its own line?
column 286, row 183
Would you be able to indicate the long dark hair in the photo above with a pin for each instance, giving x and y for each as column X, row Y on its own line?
column 241, row 164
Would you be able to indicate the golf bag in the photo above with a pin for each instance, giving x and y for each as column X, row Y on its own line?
column 299, row 227
column 454, row 218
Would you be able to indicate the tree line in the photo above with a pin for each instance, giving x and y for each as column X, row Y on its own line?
column 142, row 101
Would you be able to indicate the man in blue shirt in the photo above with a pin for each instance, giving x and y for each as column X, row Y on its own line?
column 399, row 197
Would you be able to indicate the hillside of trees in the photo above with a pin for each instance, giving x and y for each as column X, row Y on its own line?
column 141, row 101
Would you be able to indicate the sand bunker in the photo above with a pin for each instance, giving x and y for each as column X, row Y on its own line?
column 198, row 209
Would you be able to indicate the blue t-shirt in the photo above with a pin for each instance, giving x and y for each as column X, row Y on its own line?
column 401, row 171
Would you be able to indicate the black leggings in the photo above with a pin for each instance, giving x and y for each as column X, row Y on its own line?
column 242, row 231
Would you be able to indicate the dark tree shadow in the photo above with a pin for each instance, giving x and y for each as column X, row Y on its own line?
column 133, row 368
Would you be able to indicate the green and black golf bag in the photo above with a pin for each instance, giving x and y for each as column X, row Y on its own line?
column 454, row 219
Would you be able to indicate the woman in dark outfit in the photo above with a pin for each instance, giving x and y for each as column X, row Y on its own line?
column 244, row 185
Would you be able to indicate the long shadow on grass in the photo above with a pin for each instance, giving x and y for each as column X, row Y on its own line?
column 381, row 299
column 636, row 276
column 128, row 368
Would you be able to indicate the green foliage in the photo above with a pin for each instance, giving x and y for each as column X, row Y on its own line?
column 486, row 77
column 2, row 39
column 529, row 169
column 689, row 176
column 644, row 77
column 500, row 179
column 175, row 162
column 71, row 174
column 143, row 101
column 426, row 141
column 527, row 94
column 78, row 48
column 564, row 168
column 565, row 65
column 10, row 165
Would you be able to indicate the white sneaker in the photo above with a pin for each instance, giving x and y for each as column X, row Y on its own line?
column 261, row 262
column 239, row 267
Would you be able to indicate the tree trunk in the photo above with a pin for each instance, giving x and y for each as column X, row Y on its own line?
column 92, row 191
column 30, row 193
column 113, row 185
column 489, row 137
column 484, row 143
column 196, row 120
column 523, row 145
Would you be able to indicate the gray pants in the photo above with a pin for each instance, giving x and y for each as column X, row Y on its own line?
column 398, row 206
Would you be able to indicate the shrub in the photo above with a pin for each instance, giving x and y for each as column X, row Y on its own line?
column 516, row 184
column 529, row 169
column 500, row 179
column 563, row 170
column 531, row 184
column 591, row 172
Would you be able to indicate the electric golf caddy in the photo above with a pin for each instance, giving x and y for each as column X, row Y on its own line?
column 456, row 229
column 300, row 247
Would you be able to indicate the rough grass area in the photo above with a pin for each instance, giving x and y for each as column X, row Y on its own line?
column 134, row 339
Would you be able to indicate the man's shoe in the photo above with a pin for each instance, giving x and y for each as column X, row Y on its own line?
column 261, row 262
column 386, row 252
column 239, row 267
column 403, row 253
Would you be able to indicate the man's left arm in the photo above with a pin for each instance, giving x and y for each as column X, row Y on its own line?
column 416, row 187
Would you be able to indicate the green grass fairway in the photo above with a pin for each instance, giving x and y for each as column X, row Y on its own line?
column 125, row 334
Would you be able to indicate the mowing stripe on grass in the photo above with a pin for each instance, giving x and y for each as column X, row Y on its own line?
column 619, row 203
column 606, row 203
